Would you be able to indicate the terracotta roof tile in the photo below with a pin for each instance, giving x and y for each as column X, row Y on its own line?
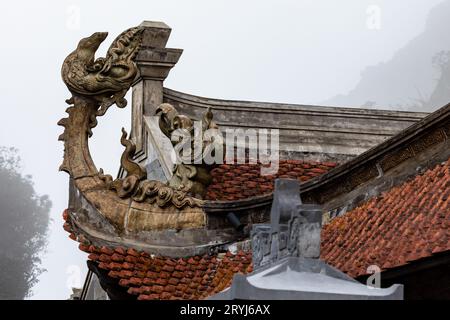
column 404, row 224
column 241, row 181
column 407, row 223
column 165, row 278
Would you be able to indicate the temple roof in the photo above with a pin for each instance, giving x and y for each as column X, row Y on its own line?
column 154, row 236
column 405, row 224
column 307, row 132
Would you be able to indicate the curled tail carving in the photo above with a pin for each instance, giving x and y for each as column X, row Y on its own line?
column 131, row 167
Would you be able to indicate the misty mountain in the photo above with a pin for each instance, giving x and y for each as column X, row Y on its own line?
column 412, row 79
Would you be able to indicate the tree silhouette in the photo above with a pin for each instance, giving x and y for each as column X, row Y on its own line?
column 24, row 220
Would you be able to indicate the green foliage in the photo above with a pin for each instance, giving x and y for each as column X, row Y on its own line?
column 24, row 220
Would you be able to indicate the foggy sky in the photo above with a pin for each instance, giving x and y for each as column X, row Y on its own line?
column 282, row 51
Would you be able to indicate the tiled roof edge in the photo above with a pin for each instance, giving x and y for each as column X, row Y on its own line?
column 342, row 111
column 437, row 122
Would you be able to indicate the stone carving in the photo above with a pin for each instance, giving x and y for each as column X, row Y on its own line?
column 391, row 160
column 135, row 186
column 96, row 84
column 360, row 176
column 430, row 139
column 108, row 79
column 294, row 228
column 134, row 172
column 191, row 174
column 260, row 243
column 131, row 167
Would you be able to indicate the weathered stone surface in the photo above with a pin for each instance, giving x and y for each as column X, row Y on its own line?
column 159, row 148
column 306, row 132
column 420, row 146
column 294, row 228
column 162, row 219
column 154, row 62
column 156, row 34
column 333, row 190
column 140, row 228
column 109, row 205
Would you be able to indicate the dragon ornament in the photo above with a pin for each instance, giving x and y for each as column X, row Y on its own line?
column 95, row 85
column 191, row 173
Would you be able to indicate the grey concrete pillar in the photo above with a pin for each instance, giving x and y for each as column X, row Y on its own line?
column 154, row 62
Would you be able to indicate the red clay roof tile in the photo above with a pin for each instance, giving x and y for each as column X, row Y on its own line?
column 407, row 223
column 241, row 181
column 208, row 276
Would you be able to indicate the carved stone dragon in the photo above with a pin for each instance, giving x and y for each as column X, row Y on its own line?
column 96, row 84
column 108, row 79
column 192, row 174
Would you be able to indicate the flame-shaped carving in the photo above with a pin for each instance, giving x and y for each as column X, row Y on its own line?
column 135, row 186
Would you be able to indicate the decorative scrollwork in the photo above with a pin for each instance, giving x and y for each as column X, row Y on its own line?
column 155, row 191
column 135, row 186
